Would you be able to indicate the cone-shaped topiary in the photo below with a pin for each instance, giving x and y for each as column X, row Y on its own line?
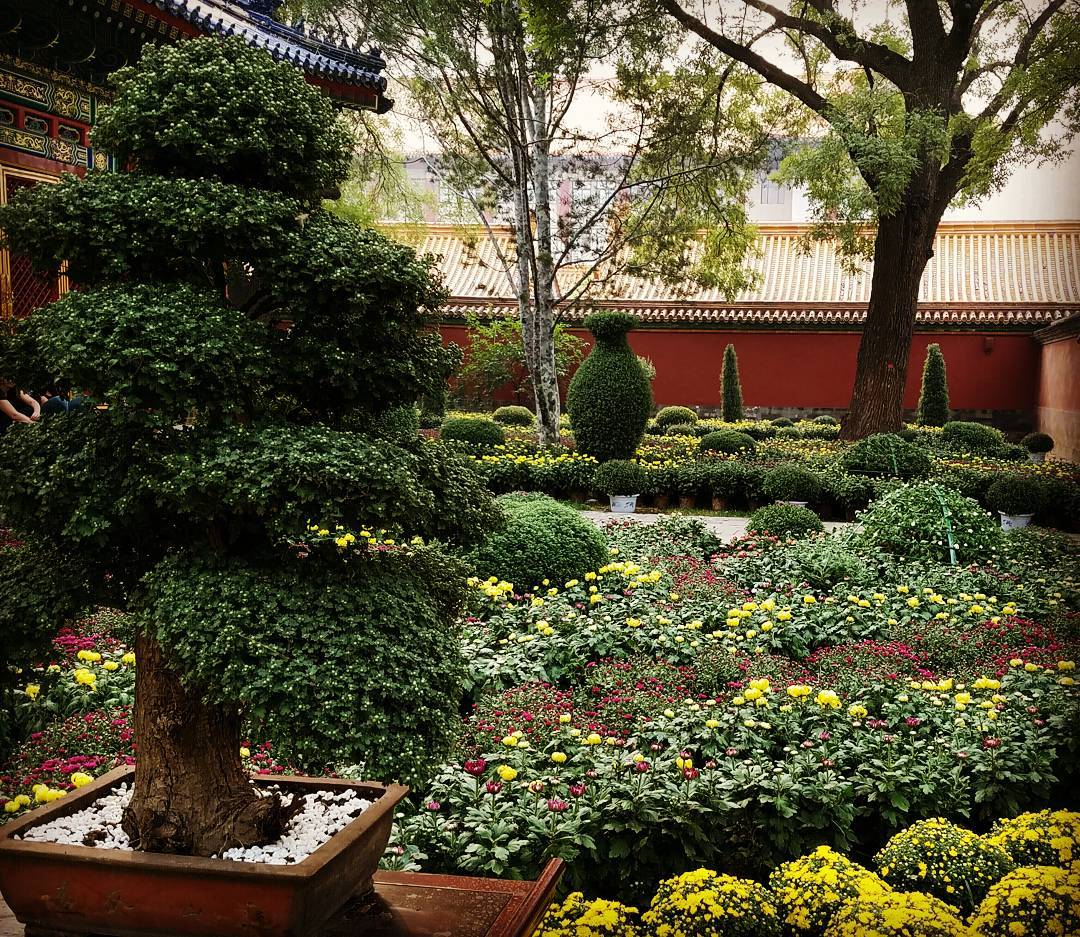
column 730, row 388
column 610, row 398
column 934, row 395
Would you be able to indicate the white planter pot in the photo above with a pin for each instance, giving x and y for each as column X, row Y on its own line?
column 798, row 504
column 623, row 504
column 1037, row 457
column 1014, row 521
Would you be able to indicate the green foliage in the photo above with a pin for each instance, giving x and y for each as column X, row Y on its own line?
column 928, row 521
column 826, row 420
column 790, row 481
column 1038, row 442
column 542, row 539
column 479, row 431
column 619, row 477
column 782, row 422
column 610, row 397
column 934, row 392
column 730, row 389
column 683, row 429
column 401, row 422
column 669, row 415
column 784, row 520
column 1016, row 494
column 514, row 416
column 225, row 109
column 886, row 454
column 727, row 441
column 975, row 438
column 380, row 686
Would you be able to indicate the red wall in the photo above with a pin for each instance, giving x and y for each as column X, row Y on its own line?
column 817, row 369
column 1059, row 395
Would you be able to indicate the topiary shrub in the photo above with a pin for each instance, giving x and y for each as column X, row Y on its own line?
column 727, row 441
column 610, row 398
column 1038, row 442
column 474, row 430
column 928, row 521
column 790, row 481
column 971, row 437
column 669, row 415
column 826, row 420
column 788, row 432
column 934, row 394
column 886, row 454
column 398, row 422
column 781, row 422
column 619, row 477
column 1016, row 494
column 680, row 429
column 541, row 539
column 784, row 520
column 731, row 402
column 514, row 416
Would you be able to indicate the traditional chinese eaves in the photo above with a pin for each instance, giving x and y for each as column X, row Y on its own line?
column 1024, row 275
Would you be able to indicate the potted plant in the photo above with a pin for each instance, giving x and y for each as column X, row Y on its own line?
column 622, row 481
column 1016, row 498
column 1037, row 445
column 231, row 494
column 790, row 483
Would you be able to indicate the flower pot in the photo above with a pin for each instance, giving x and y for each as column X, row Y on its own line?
column 661, row 501
column 90, row 890
column 719, row 503
column 1037, row 457
column 623, row 504
column 579, row 495
column 1014, row 521
column 798, row 504
column 687, row 502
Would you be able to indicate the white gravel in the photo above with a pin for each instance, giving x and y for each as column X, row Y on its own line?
column 324, row 813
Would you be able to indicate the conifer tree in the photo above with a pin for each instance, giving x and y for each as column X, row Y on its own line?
column 730, row 388
column 934, row 395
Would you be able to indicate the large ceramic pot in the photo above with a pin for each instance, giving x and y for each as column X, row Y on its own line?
column 1014, row 521
column 83, row 889
column 622, row 504
column 1037, row 457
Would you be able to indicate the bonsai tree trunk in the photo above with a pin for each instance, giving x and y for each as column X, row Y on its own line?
column 192, row 795
column 903, row 245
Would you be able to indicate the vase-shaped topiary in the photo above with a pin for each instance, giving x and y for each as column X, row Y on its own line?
column 1016, row 498
column 730, row 388
column 934, row 393
column 610, row 398
column 236, row 334
column 1037, row 445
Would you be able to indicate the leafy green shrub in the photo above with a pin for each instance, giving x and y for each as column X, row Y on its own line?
column 1011, row 452
column 475, row 430
column 822, row 562
column 784, row 520
column 730, row 389
column 680, row 429
column 886, row 454
column 781, row 422
column 826, row 420
column 669, row 415
column 971, row 437
column 619, row 477
column 610, row 398
column 1038, row 442
column 542, row 539
column 727, row 441
column 934, row 393
column 927, row 521
column 735, row 481
column 790, row 481
column 788, row 432
column 1016, row 494
column 398, row 422
column 514, row 416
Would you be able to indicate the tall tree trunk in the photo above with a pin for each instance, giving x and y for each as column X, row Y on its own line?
column 192, row 795
column 903, row 245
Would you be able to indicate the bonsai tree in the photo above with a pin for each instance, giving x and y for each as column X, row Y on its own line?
column 934, row 394
column 730, row 388
column 610, row 398
column 235, row 335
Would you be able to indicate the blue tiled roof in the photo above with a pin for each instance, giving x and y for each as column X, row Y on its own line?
column 249, row 20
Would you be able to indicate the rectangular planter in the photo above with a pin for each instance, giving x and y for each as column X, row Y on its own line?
column 84, row 889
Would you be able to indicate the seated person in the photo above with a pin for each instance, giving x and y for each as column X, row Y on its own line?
column 16, row 406
column 58, row 399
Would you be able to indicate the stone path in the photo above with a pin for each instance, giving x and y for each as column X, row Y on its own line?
column 726, row 527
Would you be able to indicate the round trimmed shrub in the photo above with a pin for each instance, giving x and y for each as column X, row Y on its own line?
column 1042, row 900
column 921, row 521
column 398, row 422
column 514, row 416
column 473, row 429
column 610, row 397
column 897, row 914
column 1016, row 494
column 540, row 540
column 680, row 429
column 788, row 432
column 727, row 441
column 620, row 477
column 706, row 904
column 1038, row 442
column 781, row 422
column 886, row 454
column 783, row 521
column 943, row 860
column 826, row 420
column 972, row 437
column 790, row 481
column 669, row 415
column 1047, row 837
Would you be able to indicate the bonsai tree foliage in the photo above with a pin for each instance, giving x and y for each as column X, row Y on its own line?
column 244, row 346
column 610, row 397
column 730, row 388
column 934, row 395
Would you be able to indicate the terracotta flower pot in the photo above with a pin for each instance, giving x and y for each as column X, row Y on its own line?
column 661, row 501
column 84, row 889
column 719, row 503
column 687, row 502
